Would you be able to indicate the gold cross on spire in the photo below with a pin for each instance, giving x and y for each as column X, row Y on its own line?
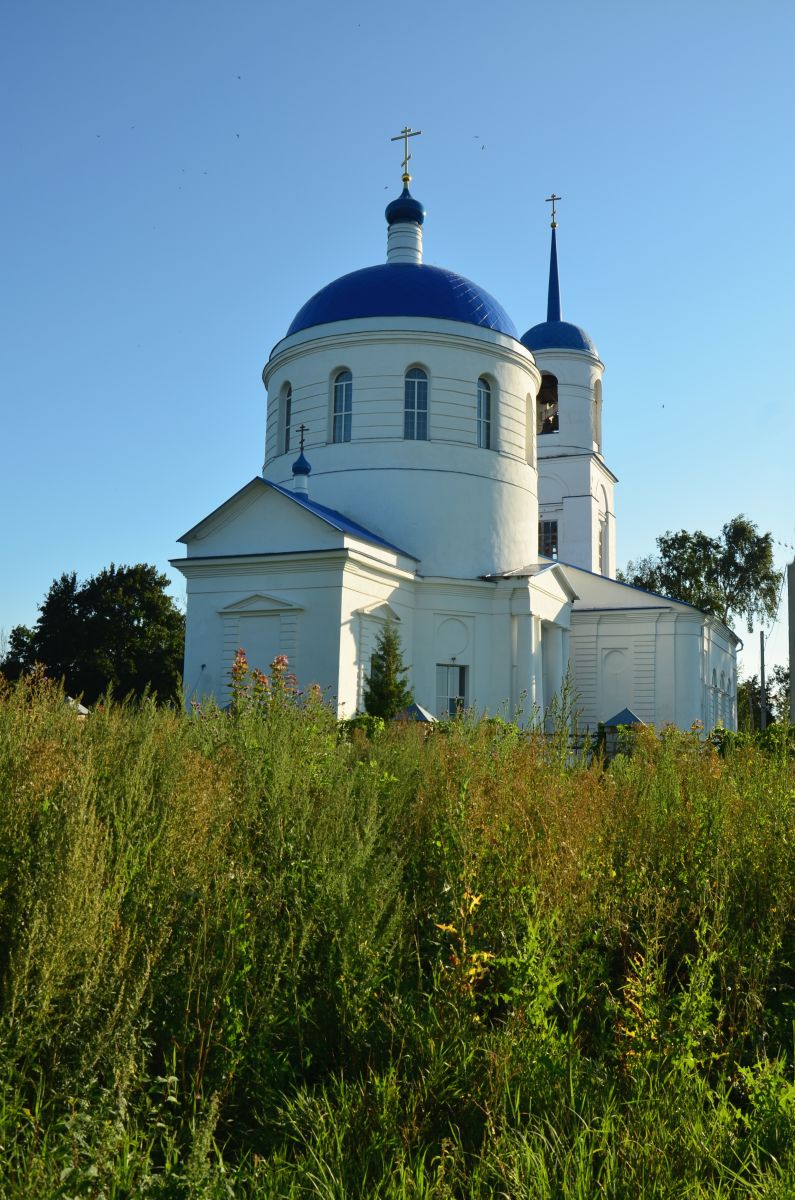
column 551, row 200
column 404, row 138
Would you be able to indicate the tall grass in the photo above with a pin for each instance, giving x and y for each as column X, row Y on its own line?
column 249, row 955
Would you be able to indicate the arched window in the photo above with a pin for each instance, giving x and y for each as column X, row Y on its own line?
column 484, row 414
column 343, row 407
column 597, row 415
column 604, row 556
column 415, row 405
column 547, row 405
column 723, row 712
column 529, row 432
column 287, row 416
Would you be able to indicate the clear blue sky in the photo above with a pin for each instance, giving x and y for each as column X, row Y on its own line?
column 180, row 177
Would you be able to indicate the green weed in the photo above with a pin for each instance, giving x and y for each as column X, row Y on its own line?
column 245, row 953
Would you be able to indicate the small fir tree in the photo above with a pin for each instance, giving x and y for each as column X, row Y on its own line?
column 386, row 691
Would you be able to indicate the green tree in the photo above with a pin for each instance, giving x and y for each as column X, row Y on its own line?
column 731, row 575
column 117, row 631
column 386, row 691
column 19, row 651
column 778, row 692
column 749, row 699
column 749, row 705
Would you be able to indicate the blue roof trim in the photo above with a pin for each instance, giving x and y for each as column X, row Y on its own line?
column 404, row 290
column 558, row 335
column 337, row 519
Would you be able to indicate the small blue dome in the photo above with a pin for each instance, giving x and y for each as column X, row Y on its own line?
column 404, row 290
column 558, row 335
column 301, row 465
column 405, row 208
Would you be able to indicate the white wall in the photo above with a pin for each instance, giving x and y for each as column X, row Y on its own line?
column 229, row 600
column 462, row 510
column 324, row 612
column 658, row 662
column 577, row 373
column 576, row 488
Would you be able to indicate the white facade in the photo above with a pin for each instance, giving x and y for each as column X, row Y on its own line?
column 379, row 473
column 576, row 487
column 429, row 482
column 666, row 662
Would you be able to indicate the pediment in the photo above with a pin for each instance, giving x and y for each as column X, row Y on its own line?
column 226, row 512
column 380, row 612
column 261, row 519
column 259, row 604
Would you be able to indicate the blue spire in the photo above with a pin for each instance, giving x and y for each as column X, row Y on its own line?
column 555, row 333
column 553, row 296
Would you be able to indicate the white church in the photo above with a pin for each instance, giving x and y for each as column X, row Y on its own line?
column 427, row 465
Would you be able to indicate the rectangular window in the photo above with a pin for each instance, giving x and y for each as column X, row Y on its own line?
column 548, row 538
column 415, row 410
column 343, row 406
column 451, row 689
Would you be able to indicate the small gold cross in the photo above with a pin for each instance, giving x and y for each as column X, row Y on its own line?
column 404, row 137
column 551, row 199
column 302, row 429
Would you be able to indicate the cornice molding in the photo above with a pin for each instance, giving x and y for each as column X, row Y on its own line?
column 575, row 355
column 299, row 561
column 496, row 343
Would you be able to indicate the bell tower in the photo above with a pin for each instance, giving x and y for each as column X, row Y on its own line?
column 575, row 486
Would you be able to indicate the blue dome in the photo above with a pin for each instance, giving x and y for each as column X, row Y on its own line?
column 405, row 208
column 558, row 335
column 404, row 290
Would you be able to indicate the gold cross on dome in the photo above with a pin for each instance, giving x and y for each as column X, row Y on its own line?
column 302, row 430
column 404, row 136
column 551, row 200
